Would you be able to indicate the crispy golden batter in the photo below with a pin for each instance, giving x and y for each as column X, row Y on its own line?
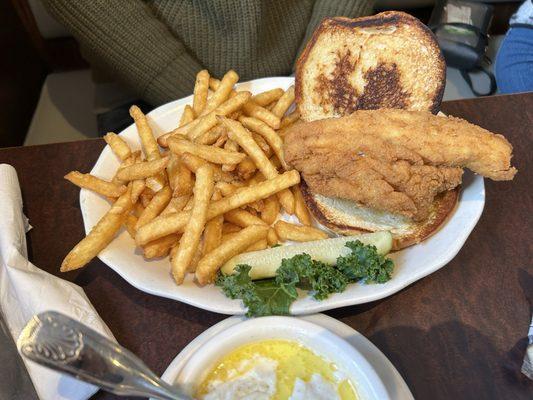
column 394, row 160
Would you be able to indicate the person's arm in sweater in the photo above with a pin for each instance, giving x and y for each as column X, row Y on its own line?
column 336, row 8
column 127, row 39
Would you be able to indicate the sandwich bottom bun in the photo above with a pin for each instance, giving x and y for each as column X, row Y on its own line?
column 346, row 217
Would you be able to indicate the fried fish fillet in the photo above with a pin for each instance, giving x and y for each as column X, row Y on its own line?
column 394, row 160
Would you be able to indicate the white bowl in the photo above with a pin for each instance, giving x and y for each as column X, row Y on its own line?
column 351, row 362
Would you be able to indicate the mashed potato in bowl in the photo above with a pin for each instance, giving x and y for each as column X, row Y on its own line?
column 275, row 369
column 277, row 358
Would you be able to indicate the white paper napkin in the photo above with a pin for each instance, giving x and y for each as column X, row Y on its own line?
column 527, row 366
column 26, row 290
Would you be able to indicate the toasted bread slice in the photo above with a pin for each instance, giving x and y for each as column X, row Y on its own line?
column 389, row 60
column 346, row 217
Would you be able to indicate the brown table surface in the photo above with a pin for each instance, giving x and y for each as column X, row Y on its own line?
column 459, row 333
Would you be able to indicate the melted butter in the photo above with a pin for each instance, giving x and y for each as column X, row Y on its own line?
column 293, row 361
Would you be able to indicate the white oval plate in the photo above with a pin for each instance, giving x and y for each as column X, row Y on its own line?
column 153, row 276
column 395, row 386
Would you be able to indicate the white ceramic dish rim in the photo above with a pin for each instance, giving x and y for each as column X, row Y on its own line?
column 394, row 385
column 304, row 305
column 316, row 338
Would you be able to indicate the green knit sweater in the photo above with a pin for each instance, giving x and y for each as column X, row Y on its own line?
column 156, row 47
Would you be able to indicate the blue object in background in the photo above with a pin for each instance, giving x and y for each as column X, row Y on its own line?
column 514, row 62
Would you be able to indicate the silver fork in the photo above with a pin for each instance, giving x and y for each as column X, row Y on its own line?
column 63, row 344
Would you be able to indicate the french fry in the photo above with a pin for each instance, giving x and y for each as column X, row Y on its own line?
column 226, row 108
column 258, row 177
column 172, row 170
column 246, row 168
column 118, row 145
column 262, row 143
column 214, row 83
column 300, row 209
column 259, row 245
column 253, row 193
column 100, row 235
column 185, row 181
column 216, row 194
column 208, row 153
column 284, row 103
column 289, row 119
column 187, row 116
column 221, row 140
column 175, row 204
column 149, row 144
column 238, row 133
column 146, row 196
column 189, row 204
column 287, row 231
column 265, row 98
column 196, row 257
column 155, row 206
column 175, row 222
column 129, row 223
column 242, row 218
column 208, row 121
column 95, row 184
column 127, row 162
column 272, row 237
column 229, row 236
column 179, row 131
column 275, row 162
column 230, row 228
column 269, row 134
column 203, row 189
column 235, row 115
column 212, row 234
column 256, row 206
column 222, row 92
column 221, row 176
column 142, row 170
column 270, row 210
column 230, row 145
column 254, row 110
column 249, row 209
column 173, row 252
column 226, row 188
column 194, row 162
column 212, row 261
column 212, row 135
column 137, row 209
column 137, row 187
column 201, row 88
column 160, row 247
column 157, row 182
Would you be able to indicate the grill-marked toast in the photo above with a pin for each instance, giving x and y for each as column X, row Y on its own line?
column 389, row 60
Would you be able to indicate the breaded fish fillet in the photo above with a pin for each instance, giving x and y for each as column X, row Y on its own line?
column 394, row 160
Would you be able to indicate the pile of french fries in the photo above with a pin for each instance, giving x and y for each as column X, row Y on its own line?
column 211, row 189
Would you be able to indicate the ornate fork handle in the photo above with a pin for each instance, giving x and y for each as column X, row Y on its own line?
column 63, row 344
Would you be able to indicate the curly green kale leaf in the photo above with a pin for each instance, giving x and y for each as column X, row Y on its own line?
column 275, row 296
column 364, row 263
